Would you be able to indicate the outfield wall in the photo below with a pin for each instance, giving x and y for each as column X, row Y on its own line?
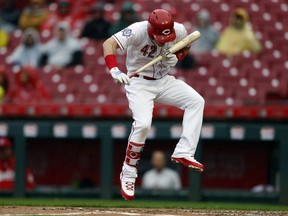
column 238, row 155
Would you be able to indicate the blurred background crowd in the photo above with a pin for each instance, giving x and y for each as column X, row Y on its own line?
column 51, row 51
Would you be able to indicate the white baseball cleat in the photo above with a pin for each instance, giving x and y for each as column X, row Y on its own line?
column 189, row 162
column 128, row 190
column 127, row 179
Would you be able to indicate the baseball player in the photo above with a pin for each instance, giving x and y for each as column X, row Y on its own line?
column 7, row 167
column 143, row 41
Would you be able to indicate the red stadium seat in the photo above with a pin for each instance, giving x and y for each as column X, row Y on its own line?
column 273, row 87
column 218, row 95
column 265, row 72
column 250, row 95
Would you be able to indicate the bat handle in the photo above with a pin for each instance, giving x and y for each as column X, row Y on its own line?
column 166, row 53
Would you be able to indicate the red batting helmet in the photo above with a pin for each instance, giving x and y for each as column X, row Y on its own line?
column 161, row 26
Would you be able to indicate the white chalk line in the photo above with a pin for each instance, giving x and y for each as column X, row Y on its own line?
column 86, row 213
column 74, row 213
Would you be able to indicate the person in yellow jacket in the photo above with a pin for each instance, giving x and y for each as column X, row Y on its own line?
column 238, row 36
column 4, row 38
column 33, row 15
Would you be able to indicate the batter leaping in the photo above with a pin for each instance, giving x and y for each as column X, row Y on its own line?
column 144, row 41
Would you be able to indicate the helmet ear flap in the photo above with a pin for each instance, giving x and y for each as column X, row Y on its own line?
column 150, row 30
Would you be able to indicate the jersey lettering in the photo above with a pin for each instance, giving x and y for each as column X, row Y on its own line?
column 153, row 50
column 144, row 50
column 149, row 51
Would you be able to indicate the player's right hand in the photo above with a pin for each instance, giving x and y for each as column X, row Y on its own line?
column 170, row 60
column 119, row 76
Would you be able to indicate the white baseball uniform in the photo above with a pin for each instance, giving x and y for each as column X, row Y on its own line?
column 165, row 89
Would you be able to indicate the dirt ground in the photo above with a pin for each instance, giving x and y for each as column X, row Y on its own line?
column 25, row 211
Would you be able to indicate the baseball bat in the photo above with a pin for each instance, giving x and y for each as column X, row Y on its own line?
column 175, row 48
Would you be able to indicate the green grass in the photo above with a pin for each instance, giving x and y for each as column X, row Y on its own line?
column 99, row 203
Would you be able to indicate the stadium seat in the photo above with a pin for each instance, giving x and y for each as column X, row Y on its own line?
column 272, row 86
column 217, row 95
column 265, row 72
column 250, row 95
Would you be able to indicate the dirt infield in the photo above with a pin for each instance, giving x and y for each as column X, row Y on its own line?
column 25, row 211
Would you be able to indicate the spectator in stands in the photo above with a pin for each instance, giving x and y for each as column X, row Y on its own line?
column 209, row 34
column 160, row 177
column 28, row 87
column 33, row 15
column 97, row 27
column 21, row 3
column 9, row 15
column 28, row 51
column 62, row 13
column 63, row 50
column 188, row 62
column 7, row 167
column 4, row 83
column 127, row 17
column 238, row 36
column 83, row 13
column 4, row 37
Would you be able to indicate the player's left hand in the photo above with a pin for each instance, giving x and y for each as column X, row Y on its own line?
column 171, row 60
column 119, row 76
